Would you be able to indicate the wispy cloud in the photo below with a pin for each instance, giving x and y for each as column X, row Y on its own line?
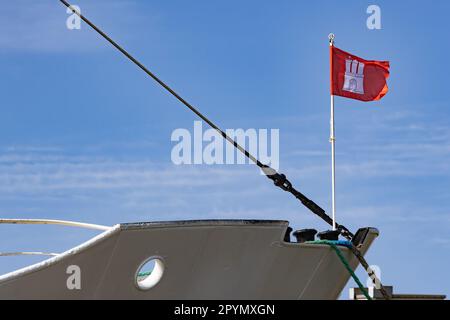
column 31, row 173
column 444, row 242
column 40, row 26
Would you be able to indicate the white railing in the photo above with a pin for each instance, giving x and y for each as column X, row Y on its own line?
column 55, row 222
column 10, row 254
column 47, row 222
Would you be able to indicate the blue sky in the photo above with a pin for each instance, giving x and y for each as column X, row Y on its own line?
column 85, row 135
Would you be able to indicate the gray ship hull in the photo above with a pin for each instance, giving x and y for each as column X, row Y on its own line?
column 201, row 260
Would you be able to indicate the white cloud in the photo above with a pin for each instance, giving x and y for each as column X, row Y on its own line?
column 40, row 26
column 31, row 173
column 444, row 242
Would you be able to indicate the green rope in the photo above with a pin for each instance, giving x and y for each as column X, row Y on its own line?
column 344, row 261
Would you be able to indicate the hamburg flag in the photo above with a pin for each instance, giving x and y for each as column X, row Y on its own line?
column 356, row 78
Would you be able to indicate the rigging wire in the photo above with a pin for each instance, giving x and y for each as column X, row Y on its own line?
column 278, row 179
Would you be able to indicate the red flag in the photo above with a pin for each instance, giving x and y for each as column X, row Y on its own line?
column 356, row 78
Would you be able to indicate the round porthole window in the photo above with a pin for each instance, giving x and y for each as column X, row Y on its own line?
column 149, row 273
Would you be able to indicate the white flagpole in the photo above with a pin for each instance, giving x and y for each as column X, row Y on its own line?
column 332, row 140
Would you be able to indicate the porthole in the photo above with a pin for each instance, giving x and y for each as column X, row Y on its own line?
column 149, row 274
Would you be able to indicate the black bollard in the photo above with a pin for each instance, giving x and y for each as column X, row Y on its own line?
column 329, row 235
column 304, row 235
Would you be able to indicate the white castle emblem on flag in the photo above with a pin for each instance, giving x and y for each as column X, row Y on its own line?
column 354, row 76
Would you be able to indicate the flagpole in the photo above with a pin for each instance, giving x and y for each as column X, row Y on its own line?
column 332, row 137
